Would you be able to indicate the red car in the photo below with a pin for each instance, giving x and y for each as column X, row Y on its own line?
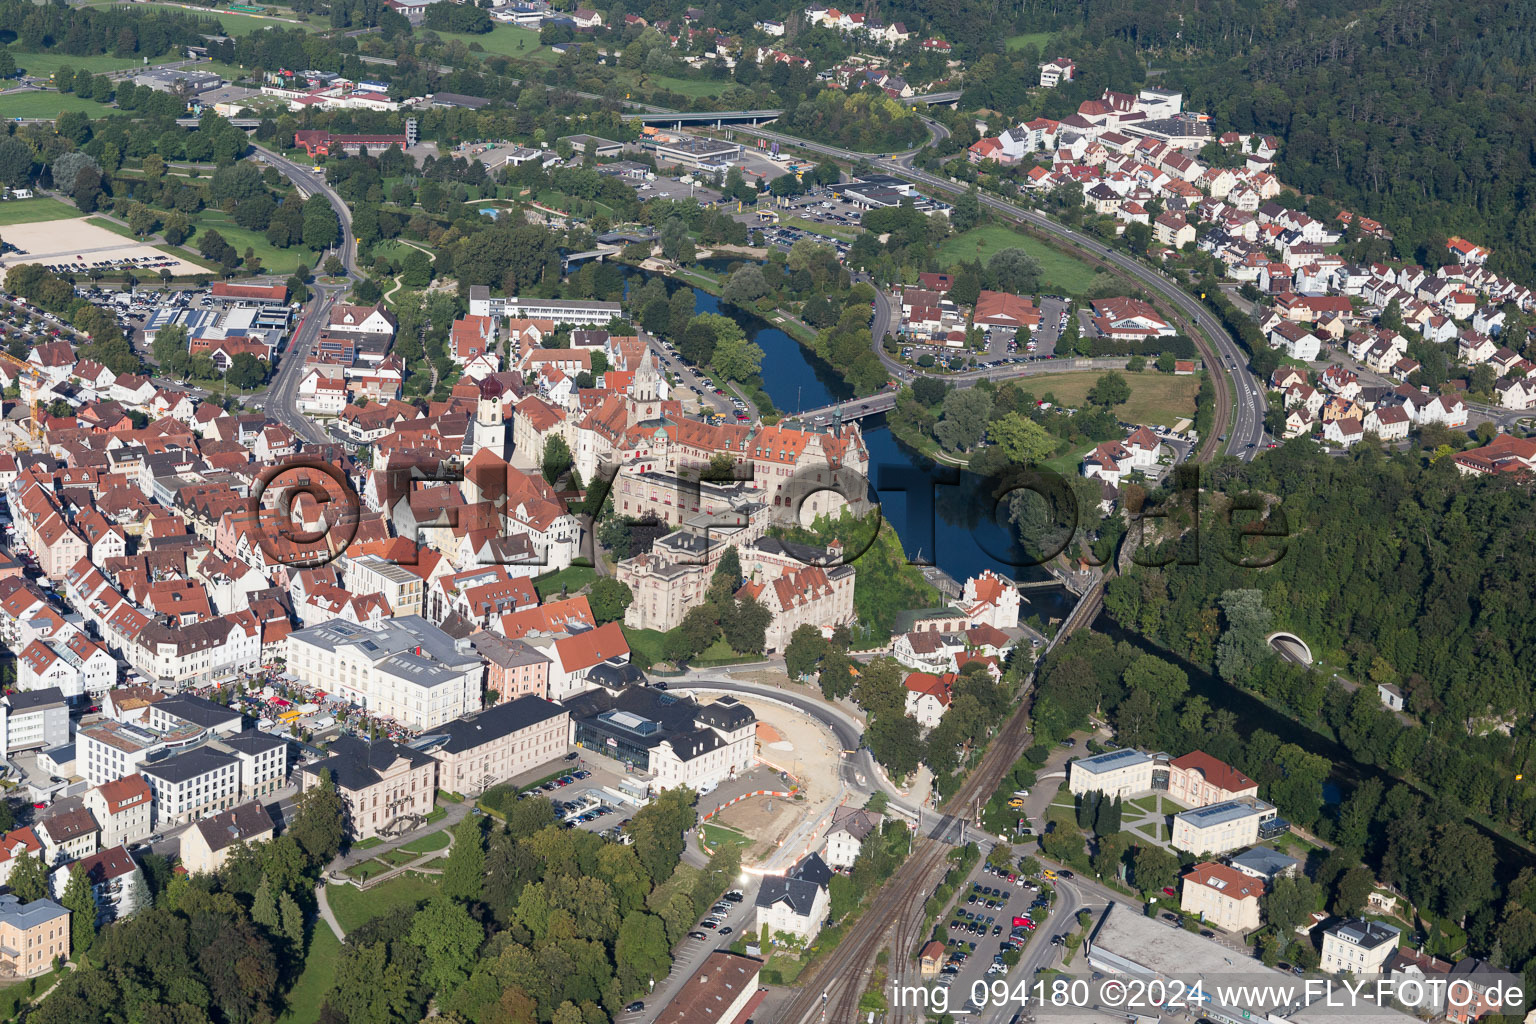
column 1168, row 892
column 40, row 807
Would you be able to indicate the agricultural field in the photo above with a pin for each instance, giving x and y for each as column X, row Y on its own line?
column 1060, row 272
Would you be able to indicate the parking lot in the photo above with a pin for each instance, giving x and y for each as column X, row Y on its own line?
column 76, row 246
column 981, row 927
column 709, row 395
column 731, row 916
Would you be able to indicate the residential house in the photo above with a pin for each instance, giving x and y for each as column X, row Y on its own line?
column 1358, row 946
column 795, row 904
column 929, row 696
column 208, row 843
column 845, row 836
column 32, row 935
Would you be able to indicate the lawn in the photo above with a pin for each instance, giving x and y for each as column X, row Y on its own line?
column 507, row 40
column 399, row 858
column 427, row 843
column 366, row 870
column 21, row 990
column 43, row 65
column 32, row 211
column 648, row 642
column 1155, row 397
column 114, row 227
column 368, row 844
column 1035, row 39
column 50, row 104
column 354, row 908
column 1059, row 271
column 716, row 836
column 573, row 579
column 315, row 981
column 273, row 259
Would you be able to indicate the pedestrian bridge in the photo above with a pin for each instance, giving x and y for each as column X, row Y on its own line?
column 1291, row 647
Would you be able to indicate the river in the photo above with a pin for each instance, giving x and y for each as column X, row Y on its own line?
column 940, row 513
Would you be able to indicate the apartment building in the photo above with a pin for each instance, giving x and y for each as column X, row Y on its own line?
column 491, row 746
column 263, row 761
column 190, row 655
column 32, row 935
column 1222, row 896
column 68, row 660
column 105, row 751
column 68, row 835
column 387, row 787
column 371, row 574
column 188, row 785
column 122, row 809
column 33, row 720
column 407, row 669
column 513, row 668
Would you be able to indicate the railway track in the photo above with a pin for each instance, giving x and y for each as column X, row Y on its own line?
column 1223, row 413
column 831, row 994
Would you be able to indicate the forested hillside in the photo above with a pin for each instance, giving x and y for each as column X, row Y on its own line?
column 1419, row 115
column 1393, row 569
column 1400, row 572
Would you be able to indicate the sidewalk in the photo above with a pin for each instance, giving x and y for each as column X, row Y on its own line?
column 456, row 813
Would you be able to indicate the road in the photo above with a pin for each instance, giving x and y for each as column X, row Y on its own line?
column 843, row 726
column 282, row 396
column 1245, row 436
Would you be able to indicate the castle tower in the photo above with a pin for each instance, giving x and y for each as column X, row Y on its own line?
column 646, row 384
column 490, row 419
